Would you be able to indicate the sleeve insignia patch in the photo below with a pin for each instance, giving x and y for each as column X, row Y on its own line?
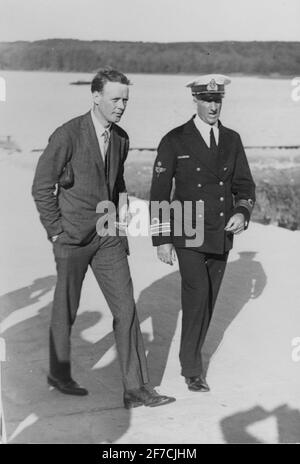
column 159, row 168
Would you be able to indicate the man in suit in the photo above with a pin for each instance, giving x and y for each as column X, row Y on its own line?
column 216, row 192
column 84, row 164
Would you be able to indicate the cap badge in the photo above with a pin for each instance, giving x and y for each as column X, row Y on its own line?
column 212, row 85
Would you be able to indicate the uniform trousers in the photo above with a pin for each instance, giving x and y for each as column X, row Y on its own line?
column 201, row 278
column 108, row 259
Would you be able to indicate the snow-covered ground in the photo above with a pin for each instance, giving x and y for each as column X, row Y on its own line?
column 253, row 366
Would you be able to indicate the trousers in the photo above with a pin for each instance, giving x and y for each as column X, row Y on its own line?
column 201, row 278
column 108, row 259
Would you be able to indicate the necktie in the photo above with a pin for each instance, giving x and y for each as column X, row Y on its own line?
column 105, row 154
column 106, row 140
column 213, row 145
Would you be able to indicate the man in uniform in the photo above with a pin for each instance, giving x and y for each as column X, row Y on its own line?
column 85, row 157
column 208, row 163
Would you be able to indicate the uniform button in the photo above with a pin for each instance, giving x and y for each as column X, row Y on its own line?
column 221, row 198
column 199, row 185
column 200, row 215
column 198, row 169
column 222, row 214
column 221, row 183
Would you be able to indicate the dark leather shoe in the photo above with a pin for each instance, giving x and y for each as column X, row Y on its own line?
column 197, row 384
column 146, row 396
column 69, row 387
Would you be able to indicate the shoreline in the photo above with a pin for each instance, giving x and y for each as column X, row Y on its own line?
column 273, row 76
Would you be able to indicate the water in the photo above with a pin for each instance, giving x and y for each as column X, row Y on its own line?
column 260, row 109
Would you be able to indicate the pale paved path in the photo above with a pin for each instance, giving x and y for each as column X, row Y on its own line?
column 255, row 385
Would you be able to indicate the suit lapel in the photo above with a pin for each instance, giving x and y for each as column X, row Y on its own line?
column 92, row 142
column 113, row 153
column 224, row 151
column 192, row 140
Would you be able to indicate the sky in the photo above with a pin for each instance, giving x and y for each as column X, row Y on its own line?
column 150, row 20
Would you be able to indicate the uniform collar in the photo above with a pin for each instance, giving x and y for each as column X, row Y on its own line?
column 203, row 127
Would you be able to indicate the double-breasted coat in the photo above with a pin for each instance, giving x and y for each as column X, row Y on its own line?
column 221, row 180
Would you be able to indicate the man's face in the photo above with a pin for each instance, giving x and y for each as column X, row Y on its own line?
column 208, row 108
column 111, row 102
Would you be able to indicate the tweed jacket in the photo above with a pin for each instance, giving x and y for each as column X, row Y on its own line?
column 72, row 211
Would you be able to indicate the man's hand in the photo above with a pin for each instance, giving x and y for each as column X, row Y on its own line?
column 166, row 253
column 236, row 224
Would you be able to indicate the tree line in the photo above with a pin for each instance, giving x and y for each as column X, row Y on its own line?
column 264, row 58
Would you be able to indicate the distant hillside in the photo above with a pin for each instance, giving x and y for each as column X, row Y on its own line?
column 265, row 58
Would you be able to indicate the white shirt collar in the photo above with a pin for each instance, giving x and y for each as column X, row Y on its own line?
column 98, row 126
column 204, row 129
column 100, row 130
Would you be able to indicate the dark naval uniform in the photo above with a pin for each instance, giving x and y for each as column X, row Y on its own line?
column 219, row 179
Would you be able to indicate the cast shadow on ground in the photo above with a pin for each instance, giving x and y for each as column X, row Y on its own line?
column 26, row 296
column 41, row 415
column 234, row 428
column 158, row 306
column 105, row 418
column 244, row 280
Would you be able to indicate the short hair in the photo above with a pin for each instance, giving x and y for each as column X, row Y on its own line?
column 108, row 74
